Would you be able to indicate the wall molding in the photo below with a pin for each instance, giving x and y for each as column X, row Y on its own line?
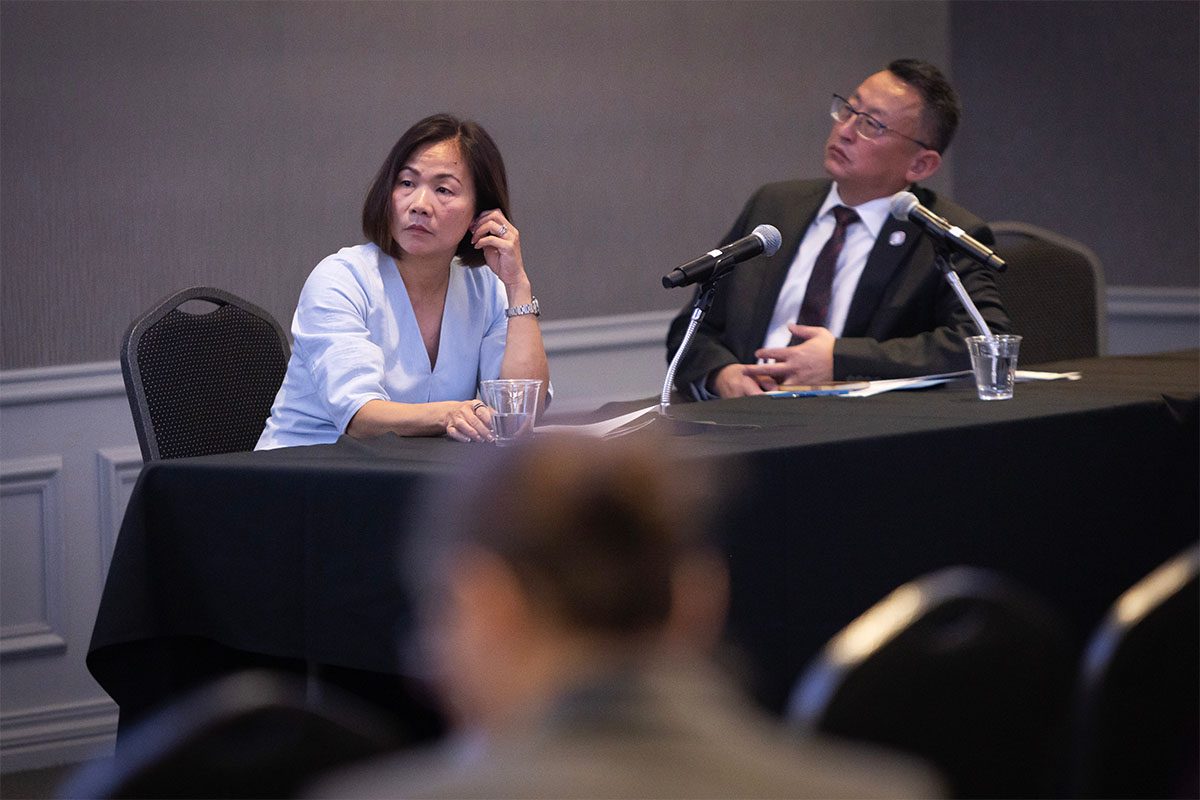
column 66, row 382
column 104, row 379
column 562, row 337
column 1143, row 319
column 117, row 470
column 613, row 332
column 1176, row 303
column 38, row 477
column 71, row 732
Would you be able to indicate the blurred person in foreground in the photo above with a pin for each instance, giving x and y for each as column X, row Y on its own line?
column 395, row 335
column 568, row 602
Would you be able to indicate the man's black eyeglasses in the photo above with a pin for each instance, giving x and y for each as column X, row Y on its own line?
column 865, row 125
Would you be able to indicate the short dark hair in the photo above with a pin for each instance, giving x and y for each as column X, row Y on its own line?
column 941, row 110
column 483, row 160
column 593, row 531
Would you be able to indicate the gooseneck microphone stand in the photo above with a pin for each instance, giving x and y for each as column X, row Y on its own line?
column 941, row 257
column 703, row 303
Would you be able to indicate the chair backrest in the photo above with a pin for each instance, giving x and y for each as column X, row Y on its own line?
column 202, row 383
column 1054, row 292
column 1137, row 725
column 250, row 734
column 961, row 668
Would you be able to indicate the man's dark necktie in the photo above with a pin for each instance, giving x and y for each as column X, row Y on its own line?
column 815, row 308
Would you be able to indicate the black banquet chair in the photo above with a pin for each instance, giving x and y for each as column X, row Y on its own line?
column 1054, row 291
column 962, row 668
column 1137, row 728
column 201, row 370
column 253, row 734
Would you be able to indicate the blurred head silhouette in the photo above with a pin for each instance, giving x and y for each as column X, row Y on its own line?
column 567, row 601
column 557, row 559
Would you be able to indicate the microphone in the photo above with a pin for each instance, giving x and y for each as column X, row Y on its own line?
column 906, row 206
column 764, row 239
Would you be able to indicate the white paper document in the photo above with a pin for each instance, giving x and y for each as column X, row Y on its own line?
column 608, row 427
column 879, row 387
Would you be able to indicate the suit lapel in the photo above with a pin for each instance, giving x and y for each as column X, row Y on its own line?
column 892, row 249
column 793, row 220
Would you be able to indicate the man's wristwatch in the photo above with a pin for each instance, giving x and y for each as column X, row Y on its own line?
column 531, row 307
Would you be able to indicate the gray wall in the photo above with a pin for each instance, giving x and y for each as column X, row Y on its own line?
column 1085, row 118
column 149, row 146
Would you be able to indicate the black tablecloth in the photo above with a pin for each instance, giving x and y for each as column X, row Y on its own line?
column 1076, row 489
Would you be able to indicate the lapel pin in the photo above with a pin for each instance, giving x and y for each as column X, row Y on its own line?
column 896, row 239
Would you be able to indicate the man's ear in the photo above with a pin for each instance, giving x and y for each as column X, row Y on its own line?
column 699, row 602
column 923, row 164
column 488, row 593
column 479, row 638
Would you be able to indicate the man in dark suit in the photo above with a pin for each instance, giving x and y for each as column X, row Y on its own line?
column 853, row 293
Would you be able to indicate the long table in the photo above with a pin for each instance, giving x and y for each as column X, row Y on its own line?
column 1075, row 489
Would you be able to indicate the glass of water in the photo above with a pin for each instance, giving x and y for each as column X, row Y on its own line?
column 994, row 361
column 514, row 404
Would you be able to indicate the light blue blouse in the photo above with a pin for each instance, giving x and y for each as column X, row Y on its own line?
column 355, row 339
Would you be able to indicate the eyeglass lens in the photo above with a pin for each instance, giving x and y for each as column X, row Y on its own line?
column 864, row 125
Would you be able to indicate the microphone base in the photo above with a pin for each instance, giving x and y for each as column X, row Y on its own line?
column 674, row 426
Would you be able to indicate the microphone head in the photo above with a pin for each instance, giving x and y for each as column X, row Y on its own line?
column 902, row 205
column 770, row 238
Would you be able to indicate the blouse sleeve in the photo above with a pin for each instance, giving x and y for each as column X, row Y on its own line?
column 330, row 331
column 491, row 349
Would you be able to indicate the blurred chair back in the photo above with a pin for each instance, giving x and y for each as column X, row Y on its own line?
column 251, row 734
column 960, row 667
column 1138, row 717
column 1054, row 292
column 202, row 383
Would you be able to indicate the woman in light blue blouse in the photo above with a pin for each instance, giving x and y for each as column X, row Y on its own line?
column 396, row 334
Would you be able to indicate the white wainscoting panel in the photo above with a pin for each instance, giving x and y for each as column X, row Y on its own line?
column 31, row 561
column 117, row 470
column 53, row 425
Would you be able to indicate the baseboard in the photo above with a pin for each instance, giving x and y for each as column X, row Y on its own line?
column 62, row 734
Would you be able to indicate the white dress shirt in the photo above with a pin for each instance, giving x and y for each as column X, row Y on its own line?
column 860, row 239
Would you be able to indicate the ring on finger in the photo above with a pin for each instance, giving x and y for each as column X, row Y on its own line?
column 477, row 406
column 503, row 230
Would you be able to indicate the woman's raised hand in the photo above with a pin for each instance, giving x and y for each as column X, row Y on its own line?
column 501, row 245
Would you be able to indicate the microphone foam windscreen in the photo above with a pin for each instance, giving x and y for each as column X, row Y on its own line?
column 770, row 238
column 902, row 204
